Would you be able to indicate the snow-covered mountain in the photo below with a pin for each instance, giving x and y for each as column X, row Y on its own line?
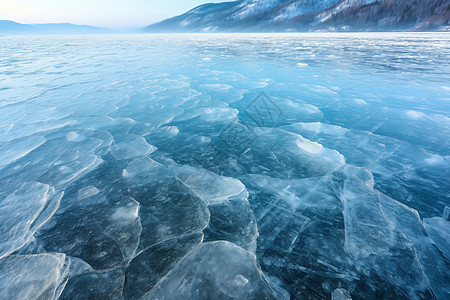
column 306, row 15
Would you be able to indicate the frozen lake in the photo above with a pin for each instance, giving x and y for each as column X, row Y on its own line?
column 225, row 166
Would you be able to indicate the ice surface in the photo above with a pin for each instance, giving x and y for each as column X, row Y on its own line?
column 371, row 237
column 294, row 166
column 290, row 155
column 408, row 221
column 152, row 264
column 94, row 285
column 170, row 208
column 23, row 212
column 16, row 149
column 104, row 240
column 208, row 186
column 57, row 162
column 129, row 146
column 41, row 276
column 233, row 221
column 446, row 214
column 299, row 221
column 439, row 230
column 214, row 270
column 87, row 192
column 340, row 294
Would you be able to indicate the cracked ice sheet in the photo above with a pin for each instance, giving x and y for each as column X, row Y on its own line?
column 210, row 187
column 217, row 202
column 439, row 230
column 407, row 221
column 130, row 146
column 167, row 206
column 93, row 285
column 152, row 264
column 58, row 161
column 402, row 170
column 9, row 152
column 82, row 104
column 301, row 222
column 371, row 237
column 24, row 209
column 214, row 270
column 41, row 276
column 105, row 240
column 231, row 217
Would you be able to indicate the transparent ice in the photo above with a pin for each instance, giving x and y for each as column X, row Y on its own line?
column 250, row 166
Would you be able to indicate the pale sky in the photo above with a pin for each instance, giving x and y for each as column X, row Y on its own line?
column 106, row 13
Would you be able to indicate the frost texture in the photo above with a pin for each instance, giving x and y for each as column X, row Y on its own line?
column 229, row 167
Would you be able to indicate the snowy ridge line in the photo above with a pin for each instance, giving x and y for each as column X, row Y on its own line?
column 311, row 15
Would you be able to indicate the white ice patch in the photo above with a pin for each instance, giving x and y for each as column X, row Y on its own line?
column 360, row 101
column 415, row 114
column 308, row 146
column 340, row 294
column 173, row 130
column 125, row 213
column 129, row 146
column 140, row 165
column 208, row 186
column 74, row 137
column 435, row 160
column 240, row 280
column 87, row 192
column 219, row 114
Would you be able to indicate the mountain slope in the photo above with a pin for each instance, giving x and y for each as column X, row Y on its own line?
column 10, row 27
column 306, row 15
